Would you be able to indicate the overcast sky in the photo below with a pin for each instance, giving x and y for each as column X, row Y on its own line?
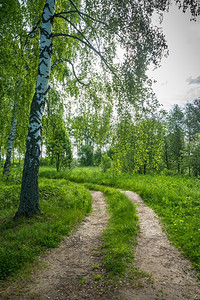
column 178, row 78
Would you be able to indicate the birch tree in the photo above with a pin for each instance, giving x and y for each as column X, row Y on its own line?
column 95, row 28
column 29, row 198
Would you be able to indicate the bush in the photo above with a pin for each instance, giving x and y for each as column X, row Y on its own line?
column 106, row 162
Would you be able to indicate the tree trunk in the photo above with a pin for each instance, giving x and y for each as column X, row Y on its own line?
column 11, row 138
column 145, row 167
column 29, row 197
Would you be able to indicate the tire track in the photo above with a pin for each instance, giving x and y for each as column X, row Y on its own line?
column 172, row 276
column 70, row 263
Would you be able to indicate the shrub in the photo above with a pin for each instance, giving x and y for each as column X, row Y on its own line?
column 106, row 162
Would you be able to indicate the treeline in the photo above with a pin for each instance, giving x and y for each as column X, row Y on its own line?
column 146, row 143
column 105, row 134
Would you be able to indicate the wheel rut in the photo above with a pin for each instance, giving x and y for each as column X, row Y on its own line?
column 69, row 272
column 172, row 276
column 69, row 269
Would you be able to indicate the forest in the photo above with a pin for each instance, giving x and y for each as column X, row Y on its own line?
column 78, row 113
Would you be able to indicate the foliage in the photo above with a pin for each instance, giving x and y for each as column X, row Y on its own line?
column 85, row 155
column 106, row 162
column 17, row 59
column 62, row 204
column 97, row 157
column 58, row 145
column 60, row 148
column 175, row 139
column 138, row 145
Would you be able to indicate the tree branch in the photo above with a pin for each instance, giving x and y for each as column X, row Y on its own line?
column 81, row 15
column 89, row 45
column 34, row 27
column 59, row 15
column 31, row 32
column 73, row 69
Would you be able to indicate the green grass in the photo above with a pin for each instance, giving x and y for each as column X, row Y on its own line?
column 176, row 199
column 63, row 205
column 119, row 237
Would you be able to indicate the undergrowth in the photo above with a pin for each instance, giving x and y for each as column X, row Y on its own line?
column 63, row 204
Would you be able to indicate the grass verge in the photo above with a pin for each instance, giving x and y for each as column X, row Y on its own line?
column 63, row 205
column 119, row 237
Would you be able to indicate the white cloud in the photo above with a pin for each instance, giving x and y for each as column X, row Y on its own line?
column 196, row 80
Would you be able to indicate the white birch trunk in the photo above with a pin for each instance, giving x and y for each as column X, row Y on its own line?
column 29, row 198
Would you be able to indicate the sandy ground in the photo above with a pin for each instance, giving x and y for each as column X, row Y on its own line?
column 72, row 268
column 73, row 271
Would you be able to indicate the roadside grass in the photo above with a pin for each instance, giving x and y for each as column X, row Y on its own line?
column 63, row 205
column 176, row 199
column 119, row 237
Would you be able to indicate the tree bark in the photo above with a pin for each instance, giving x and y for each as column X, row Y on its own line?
column 29, row 197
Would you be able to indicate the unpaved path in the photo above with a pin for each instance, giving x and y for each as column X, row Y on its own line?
column 70, row 273
column 171, row 272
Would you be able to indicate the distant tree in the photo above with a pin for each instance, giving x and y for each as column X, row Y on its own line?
column 106, row 162
column 97, row 157
column 139, row 145
column 59, row 147
column 55, row 135
column 85, row 155
column 195, row 157
column 192, row 131
column 174, row 140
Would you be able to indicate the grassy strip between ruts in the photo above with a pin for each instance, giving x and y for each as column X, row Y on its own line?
column 119, row 237
column 176, row 199
column 63, row 205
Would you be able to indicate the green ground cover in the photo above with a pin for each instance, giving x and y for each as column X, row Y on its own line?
column 119, row 237
column 62, row 203
column 176, row 199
